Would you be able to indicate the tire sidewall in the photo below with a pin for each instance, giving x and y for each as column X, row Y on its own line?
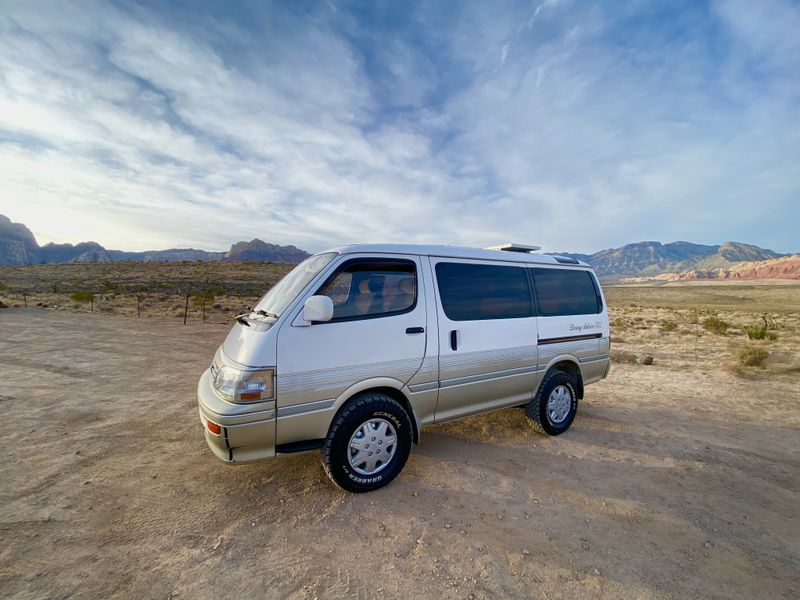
column 547, row 388
column 341, row 470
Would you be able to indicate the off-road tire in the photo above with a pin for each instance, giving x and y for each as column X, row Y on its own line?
column 536, row 409
column 356, row 412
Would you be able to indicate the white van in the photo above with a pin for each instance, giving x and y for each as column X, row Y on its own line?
column 358, row 348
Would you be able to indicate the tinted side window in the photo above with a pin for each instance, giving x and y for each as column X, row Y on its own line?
column 562, row 292
column 371, row 288
column 477, row 292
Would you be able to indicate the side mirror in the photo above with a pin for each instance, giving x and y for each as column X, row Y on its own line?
column 318, row 309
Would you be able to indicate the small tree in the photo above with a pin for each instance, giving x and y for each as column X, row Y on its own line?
column 83, row 297
column 110, row 287
column 201, row 299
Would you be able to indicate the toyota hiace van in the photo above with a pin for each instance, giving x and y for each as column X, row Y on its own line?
column 357, row 349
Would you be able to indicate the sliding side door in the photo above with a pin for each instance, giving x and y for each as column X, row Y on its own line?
column 487, row 336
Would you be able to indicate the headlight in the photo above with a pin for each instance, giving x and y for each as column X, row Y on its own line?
column 237, row 385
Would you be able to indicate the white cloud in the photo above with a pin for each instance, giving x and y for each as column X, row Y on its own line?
column 138, row 130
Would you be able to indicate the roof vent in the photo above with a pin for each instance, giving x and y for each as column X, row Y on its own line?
column 515, row 248
column 566, row 260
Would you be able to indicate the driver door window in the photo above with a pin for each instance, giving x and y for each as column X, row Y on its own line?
column 365, row 289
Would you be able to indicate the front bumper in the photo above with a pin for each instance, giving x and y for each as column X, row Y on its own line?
column 247, row 431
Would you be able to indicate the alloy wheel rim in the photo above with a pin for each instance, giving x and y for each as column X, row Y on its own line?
column 372, row 446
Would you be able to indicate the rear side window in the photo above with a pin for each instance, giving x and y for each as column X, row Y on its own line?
column 364, row 289
column 477, row 292
column 561, row 292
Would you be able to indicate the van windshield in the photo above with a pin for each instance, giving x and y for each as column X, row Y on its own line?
column 287, row 289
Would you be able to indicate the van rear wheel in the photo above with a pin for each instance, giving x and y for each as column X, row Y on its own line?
column 555, row 404
column 368, row 443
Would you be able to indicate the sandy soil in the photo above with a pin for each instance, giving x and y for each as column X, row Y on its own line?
column 675, row 480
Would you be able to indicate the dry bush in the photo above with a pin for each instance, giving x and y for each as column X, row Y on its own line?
column 668, row 325
column 715, row 325
column 752, row 357
column 623, row 357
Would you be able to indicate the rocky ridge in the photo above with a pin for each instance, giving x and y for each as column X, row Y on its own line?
column 18, row 246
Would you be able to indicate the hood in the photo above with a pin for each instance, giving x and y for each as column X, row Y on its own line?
column 253, row 345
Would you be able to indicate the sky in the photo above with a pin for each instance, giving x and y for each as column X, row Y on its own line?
column 574, row 125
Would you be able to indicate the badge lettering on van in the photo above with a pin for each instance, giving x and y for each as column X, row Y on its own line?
column 585, row 326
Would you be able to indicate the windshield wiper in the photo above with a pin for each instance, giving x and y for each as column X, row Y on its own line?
column 242, row 318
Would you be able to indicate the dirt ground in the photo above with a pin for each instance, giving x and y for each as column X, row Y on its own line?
column 677, row 480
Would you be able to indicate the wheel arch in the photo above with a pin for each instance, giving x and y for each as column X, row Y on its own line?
column 571, row 367
column 384, row 385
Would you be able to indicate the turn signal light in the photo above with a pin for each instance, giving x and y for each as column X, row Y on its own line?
column 213, row 428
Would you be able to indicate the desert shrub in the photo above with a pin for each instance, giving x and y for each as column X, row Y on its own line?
column 715, row 325
column 110, row 287
column 759, row 332
column 623, row 357
column 752, row 357
column 667, row 325
column 762, row 331
column 83, row 297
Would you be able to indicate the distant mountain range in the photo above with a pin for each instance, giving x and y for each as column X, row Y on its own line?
column 649, row 259
column 639, row 261
column 18, row 246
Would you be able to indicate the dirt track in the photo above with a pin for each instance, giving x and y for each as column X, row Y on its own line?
column 671, row 483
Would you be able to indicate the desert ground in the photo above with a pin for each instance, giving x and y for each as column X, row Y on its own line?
column 678, row 479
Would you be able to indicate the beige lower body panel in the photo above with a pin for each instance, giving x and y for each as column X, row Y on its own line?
column 594, row 370
column 311, row 425
column 457, row 401
column 424, row 403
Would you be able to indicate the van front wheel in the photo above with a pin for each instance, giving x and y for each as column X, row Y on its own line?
column 553, row 408
column 368, row 443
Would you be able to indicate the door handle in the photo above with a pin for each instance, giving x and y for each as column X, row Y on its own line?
column 411, row 330
column 454, row 340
